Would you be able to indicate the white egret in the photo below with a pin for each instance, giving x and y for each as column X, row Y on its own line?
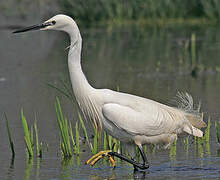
column 129, row 118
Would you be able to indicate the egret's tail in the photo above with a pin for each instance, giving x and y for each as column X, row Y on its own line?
column 194, row 117
column 195, row 120
column 193, row 131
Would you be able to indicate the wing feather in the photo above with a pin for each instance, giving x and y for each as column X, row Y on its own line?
column 151, row 122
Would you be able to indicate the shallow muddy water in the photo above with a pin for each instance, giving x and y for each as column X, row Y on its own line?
column 154, row 62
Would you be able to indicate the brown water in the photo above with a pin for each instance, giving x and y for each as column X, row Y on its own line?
column 154, row 62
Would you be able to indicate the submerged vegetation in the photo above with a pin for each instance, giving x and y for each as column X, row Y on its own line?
column 119, row 11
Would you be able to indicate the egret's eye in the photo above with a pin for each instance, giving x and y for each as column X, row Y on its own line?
column 53, row 22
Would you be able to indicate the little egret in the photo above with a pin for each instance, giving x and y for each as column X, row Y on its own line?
column 129, row 118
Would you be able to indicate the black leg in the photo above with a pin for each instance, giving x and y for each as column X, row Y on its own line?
column 131, row 161
column 145, row 162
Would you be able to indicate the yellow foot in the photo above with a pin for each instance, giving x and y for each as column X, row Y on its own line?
column 94, row 159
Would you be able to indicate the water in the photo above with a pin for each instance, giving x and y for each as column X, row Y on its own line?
column 153, row 62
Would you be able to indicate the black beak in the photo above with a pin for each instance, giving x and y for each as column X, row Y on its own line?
column 34, row 27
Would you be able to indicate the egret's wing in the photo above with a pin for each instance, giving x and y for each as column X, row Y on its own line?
column 151, row 122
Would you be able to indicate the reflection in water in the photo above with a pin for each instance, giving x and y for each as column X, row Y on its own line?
column 67, row 165
column 10, row 173
column 28, row 169
column 173, row 151
column 140, row 175
column 38, row 161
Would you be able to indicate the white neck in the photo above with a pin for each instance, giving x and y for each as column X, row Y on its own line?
column 81, row 87
column 83, row 92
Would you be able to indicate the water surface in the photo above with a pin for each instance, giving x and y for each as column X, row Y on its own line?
column 153, row 62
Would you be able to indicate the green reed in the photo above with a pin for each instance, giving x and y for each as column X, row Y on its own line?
column 85, row 133
column 38, row 145
column 77, row 138
column 95, row 141
column 110, row 141
column 65, row 89
column 206, row 137
column 200, row 147
column 193, row 50
column 28, row 137
column 217, row 130
column 72, row 138
column 9, row 136
column 67, row 92
column 173, row 151
column 105, row 141
column 64, row 130
column 186, row 144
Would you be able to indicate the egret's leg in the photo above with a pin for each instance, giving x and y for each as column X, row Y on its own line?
column 131, row 161
column 145, row 161
column 110, row 154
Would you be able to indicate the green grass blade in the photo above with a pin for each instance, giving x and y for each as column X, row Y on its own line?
column 67, row 137
column 207, row 131
column 110, row 141
column 29, row 147
column 27, row 136
column 63, row 129
column 72, row 138
column 193, row 49
column 36, row 139
column 77, row 137
column 9, row 136
column 59, row 90
column 95, row 142
column 85, row 131
column 105, row 141
column 217, row 129
column 41, row 150
column 117, row 88
column 32, row 136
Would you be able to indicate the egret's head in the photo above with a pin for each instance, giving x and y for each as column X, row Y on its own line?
column 59, row 22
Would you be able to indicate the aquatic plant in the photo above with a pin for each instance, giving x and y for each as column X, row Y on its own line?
column 95, row 141
column 85, row 132
column 65, row 89
column 77, row 138
column 206, row 136
column 173, row 151
column 9, row 136
column 72, row 138
column 217, row 130
column 200, row 147
column 27, row 136
column 186, row 144
column 193, row 50
column 105, row 141
column 38, row 146
column 64, row 130
column 66, row 92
